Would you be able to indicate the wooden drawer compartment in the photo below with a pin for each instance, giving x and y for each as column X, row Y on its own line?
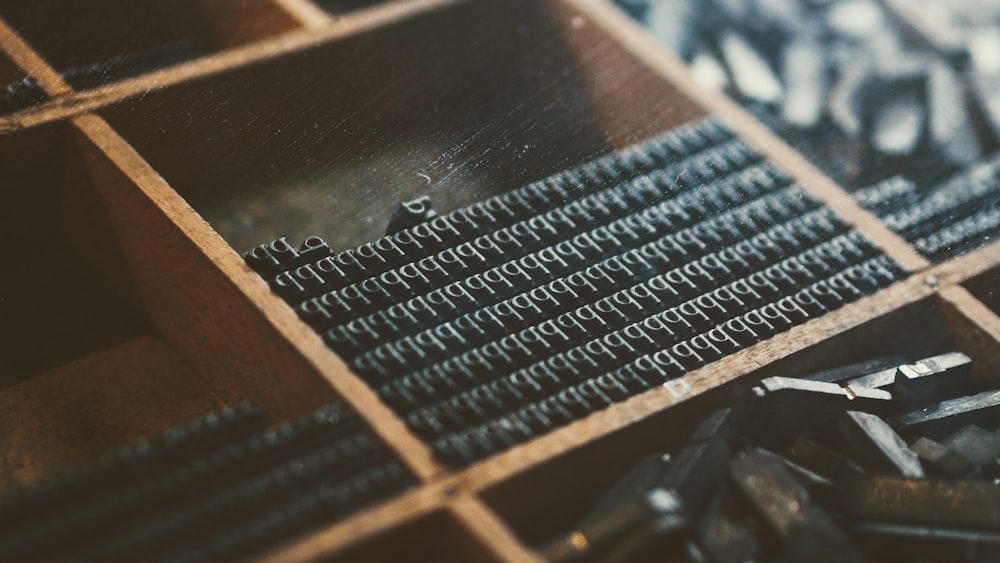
column 546, row 501
column 59, row 301
column 139, row 189
column 986, row 287
column 86, row 366
column 330, row 140
column 99, row 42
column 438, row 536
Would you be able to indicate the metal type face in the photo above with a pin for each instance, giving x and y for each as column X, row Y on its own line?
column 869, row 92
column 490, row 324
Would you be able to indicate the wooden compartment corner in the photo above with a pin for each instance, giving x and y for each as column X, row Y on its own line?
column 95, row 43
column 541, row 503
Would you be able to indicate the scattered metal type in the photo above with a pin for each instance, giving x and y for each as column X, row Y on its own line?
column 844, row 486
column 21, row 94
column 889, row 97
column 871, row 440
column 498, row 322
column 224, row 486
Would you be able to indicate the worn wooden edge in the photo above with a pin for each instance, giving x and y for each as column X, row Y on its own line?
column 257, row 295
column 977, row 328
column 967, row 266
column 490, row 531
column 32, row 63
column 408, row 507
column 519, row 459
column 308, row 14
column 479, row 526
column 645, row 47
column 350, row 25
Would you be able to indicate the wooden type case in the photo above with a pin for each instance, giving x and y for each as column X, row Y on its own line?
column 125, row 307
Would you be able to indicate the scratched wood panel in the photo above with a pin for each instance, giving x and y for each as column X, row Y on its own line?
column 92, row 405
column 322, row 123
column 102, row 41
column 329, row 141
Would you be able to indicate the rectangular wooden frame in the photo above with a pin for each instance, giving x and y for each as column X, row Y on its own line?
column 220, row 319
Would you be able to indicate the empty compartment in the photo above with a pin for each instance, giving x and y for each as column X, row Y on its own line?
column 331, row 140
column 56, row 305
column 986, row 287
column 94, row 43
column 549, row 500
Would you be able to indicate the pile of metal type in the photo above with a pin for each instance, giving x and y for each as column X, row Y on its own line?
column 881, row 460
column 867, row 89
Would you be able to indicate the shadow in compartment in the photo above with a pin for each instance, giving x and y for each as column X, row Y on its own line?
column 331, row 140
column 96, row 42
column 56, row 303
column 436, row 538
column 986, row 287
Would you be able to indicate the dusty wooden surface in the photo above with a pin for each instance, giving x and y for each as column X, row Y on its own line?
column 295, row 121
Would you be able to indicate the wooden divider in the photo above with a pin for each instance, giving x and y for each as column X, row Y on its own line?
column 220, row 314
column 973, row 309
column 31, row 63
column 243, row 342
column 486, row 527
column 76, row 103
column 405, row 508
column 240, row 23
column 308, row 15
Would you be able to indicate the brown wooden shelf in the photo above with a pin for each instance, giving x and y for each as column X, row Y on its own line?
column 317, row 30
column 150, row 185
